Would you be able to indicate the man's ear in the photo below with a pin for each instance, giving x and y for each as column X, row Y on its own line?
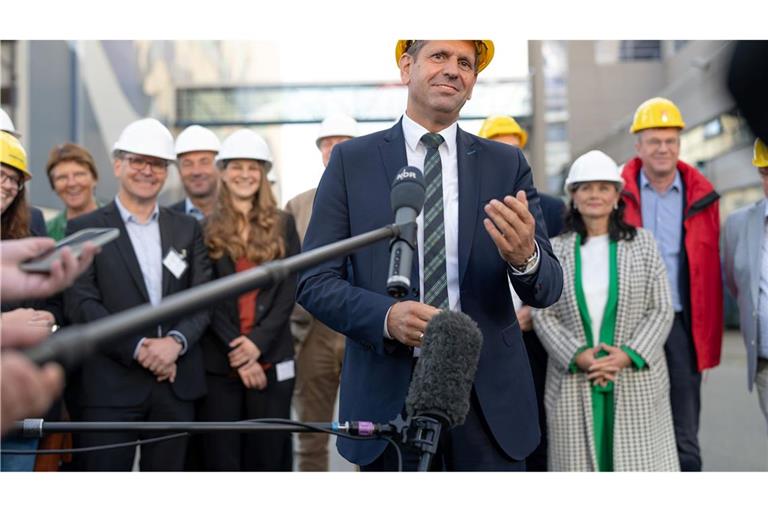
column 406, row 61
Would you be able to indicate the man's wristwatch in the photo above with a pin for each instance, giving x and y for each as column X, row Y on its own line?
column 178, row 339
column 529, row 262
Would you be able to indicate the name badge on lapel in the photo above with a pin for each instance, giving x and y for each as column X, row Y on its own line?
column 175, row 263
column 285, row 370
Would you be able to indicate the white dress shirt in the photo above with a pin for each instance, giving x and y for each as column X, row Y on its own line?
column 145, row 239
column 417, row 152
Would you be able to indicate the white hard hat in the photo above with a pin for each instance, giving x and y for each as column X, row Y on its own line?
column 336, row 125
column 146, row 137
column 593, row 166
column 197, row 138
column 245, row 144
column 6, row 124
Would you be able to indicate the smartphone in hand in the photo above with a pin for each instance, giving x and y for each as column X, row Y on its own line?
column 75, row 241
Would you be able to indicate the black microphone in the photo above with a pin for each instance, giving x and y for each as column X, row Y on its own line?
column 407, row 198
column 442, row 380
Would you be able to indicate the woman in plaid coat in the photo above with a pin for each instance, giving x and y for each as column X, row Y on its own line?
column 607, row 388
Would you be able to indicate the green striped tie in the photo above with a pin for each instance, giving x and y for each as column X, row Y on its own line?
column 435, row 277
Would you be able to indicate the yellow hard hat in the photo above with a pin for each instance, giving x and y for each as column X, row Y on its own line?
column 484, row 46
column 503, row 125
column 760, row 159
column 657, row 113
column 12, row 154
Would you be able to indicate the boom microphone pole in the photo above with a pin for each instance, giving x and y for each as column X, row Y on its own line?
column 69, row 346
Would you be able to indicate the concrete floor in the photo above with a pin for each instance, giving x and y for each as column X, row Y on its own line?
column 733, row 436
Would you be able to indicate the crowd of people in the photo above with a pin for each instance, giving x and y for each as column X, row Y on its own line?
column 599, row 313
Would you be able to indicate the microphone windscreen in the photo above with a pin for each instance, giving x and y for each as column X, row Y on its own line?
column 443, row 377
column 408, row 189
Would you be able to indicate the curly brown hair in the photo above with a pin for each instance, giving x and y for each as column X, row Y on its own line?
column 224, row 228
column 14, row 223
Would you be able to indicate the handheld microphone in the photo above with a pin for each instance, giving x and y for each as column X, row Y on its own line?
column 407, row 198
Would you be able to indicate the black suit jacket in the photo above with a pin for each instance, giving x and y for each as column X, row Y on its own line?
column 37, row 222
column 271, row 331
column 115, row 283
column 180, row 207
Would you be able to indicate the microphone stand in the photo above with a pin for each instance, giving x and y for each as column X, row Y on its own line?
column 88, row 337
column 426, row 435
column 37, row 427
column 422, row 432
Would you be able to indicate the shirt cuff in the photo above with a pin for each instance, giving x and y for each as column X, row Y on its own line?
column 181, row 339
column 138, row 347
column 386, row 331
column 573, row 367
column 531, row 268
column 637, row 361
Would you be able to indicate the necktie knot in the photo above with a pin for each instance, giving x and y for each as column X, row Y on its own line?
column 432, row 140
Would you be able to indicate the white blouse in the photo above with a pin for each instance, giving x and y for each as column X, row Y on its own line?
column 594, row 280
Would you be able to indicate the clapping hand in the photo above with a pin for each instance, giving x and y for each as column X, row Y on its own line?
column 512, row 228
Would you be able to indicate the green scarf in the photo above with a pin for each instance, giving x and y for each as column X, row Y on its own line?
column 602, row 396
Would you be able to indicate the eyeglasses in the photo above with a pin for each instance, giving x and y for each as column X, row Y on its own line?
column 139, row 163
column 15, row 181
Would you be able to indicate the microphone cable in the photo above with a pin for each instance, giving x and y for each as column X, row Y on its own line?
column 140, row 442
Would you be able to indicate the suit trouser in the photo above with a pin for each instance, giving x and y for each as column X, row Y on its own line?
column 161, row 405
column 318, row 373
column 537, row 358
column 229, row 400
column 761, row 382
column 685, row 394
column 469, row 447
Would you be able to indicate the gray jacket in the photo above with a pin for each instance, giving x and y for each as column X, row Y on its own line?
column 742, row 258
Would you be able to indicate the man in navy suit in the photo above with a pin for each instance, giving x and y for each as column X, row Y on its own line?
column 481, row 223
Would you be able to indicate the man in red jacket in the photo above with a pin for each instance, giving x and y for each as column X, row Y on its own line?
column 677, row 203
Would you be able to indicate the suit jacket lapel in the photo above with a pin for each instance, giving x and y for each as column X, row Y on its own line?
column 125, row 248
column 166, row 242
column 392, row 151
column 469, row 192
column 755, row 231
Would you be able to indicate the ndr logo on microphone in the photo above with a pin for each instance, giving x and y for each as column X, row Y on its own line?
column 406, row 174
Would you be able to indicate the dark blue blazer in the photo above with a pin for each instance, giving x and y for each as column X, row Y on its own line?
column 37, row 222
column 352, row 198
column 553, row 209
